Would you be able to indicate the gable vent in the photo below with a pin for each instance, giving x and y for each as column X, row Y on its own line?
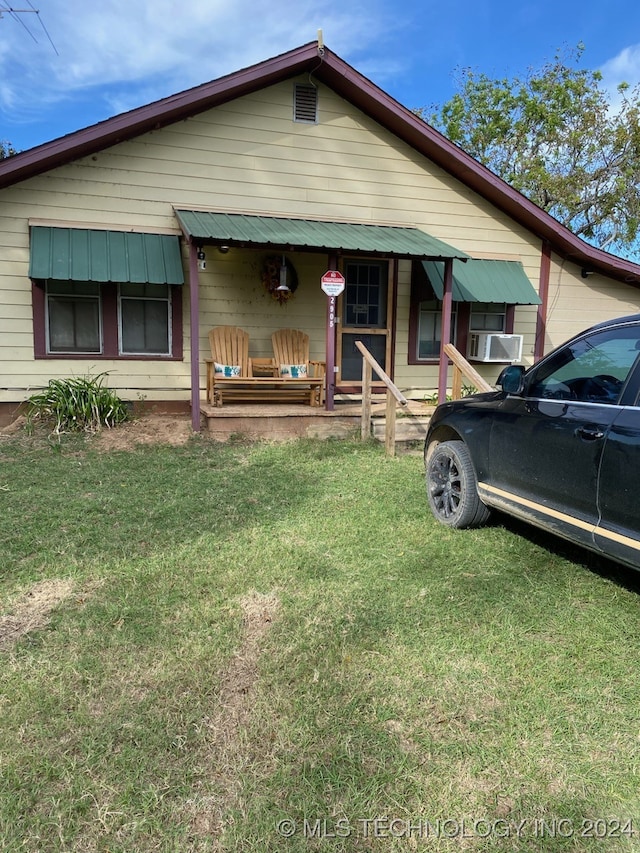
column 305, row 104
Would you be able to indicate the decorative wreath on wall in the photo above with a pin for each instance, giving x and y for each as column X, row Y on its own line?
column 271, row 278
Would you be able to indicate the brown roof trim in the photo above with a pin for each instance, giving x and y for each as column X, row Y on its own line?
column 152, row 116
column 440, row 150
column 350, row 84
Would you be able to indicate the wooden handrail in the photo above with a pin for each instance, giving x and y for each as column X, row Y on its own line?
column 383, row 376
column 369, row 364
column 461, row 367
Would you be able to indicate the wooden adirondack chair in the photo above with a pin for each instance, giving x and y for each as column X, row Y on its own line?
column 229, row 358
column 290, row 350
column 291, row 347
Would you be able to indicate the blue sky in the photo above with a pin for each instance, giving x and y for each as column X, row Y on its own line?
column 114, row 55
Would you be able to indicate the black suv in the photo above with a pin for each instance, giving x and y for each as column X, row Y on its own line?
column 558, row 445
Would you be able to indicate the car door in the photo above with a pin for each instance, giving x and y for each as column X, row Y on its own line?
column 618, row 530
column 546, row 445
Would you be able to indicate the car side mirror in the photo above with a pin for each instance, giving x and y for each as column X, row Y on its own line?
column 511, row 380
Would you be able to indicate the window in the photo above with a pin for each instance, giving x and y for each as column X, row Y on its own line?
column 488, row 317
column 593, row 369
column 425, row 319
column 144, row 312
column 80, row 319
column 474, row 281
column 73, row 317
column 430, row 328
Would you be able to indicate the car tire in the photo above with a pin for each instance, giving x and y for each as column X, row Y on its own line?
column 452, row 487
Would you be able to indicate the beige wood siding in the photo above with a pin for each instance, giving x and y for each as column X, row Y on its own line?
column 575, row 303
column 231, row 293
column 247, row 156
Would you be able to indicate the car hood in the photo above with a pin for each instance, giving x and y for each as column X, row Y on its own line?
column 469, row 402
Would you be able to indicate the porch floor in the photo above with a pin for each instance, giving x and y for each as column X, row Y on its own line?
column 285, row 421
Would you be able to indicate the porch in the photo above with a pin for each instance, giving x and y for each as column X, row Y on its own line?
column 371, row 415
column 287, row 421
column 226, row 250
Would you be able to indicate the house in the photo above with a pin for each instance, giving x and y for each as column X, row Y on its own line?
column 122, row 244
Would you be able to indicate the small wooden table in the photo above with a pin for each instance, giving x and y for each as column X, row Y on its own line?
column 263, row 367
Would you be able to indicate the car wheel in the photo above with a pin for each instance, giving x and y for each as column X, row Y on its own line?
column 452, row 486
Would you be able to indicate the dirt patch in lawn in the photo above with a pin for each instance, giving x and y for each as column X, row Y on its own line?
column 33, row 610
column 147, row 429
column 144, row 429
column 239, row 681
column 230, row 751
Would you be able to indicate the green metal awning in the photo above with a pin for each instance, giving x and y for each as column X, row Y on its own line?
column 485, row 281
column 82, row 254
column 235, row 229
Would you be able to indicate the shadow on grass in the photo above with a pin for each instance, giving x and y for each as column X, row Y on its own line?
column 78, row 505
column 591, row 561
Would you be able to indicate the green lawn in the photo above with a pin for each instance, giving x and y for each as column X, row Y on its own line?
column 275, row 648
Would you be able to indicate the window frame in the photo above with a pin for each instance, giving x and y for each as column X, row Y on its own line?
column 76, row 298
column 488, row 312
column 145, row 298
column 422, row 291
column 436, row 313
column 108, row 296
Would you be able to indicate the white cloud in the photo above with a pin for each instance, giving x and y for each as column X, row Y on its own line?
column 623, row 68
column 139, row 50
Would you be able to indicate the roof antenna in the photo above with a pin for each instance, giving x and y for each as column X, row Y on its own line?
column 321, row 55
column 14, row 14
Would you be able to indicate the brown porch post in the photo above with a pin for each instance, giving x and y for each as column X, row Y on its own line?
column 194, row 302
column 330, row 346
column 445, row 332
column 543, row 293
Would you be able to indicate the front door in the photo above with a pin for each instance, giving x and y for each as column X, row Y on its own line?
column 365, row 314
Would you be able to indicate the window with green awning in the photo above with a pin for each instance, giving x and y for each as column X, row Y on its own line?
column 485, row 294
column 484, row 281
column 105, row 294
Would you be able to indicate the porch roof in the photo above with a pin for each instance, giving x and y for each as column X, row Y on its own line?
column 84, row 254
column 485, row 281
column 236, row 229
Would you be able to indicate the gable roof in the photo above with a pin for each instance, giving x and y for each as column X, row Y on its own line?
column 334, row 72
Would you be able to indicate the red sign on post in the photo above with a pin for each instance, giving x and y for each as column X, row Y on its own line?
column 332, row 282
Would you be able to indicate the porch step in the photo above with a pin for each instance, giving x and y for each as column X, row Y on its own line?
column 411, row 429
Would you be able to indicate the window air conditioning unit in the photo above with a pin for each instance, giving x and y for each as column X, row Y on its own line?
column 490, row 346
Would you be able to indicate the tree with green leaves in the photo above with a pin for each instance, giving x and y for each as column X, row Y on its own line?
column 6, row 150
column 555, row 136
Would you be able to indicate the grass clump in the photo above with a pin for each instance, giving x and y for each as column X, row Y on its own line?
column 78, row 404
